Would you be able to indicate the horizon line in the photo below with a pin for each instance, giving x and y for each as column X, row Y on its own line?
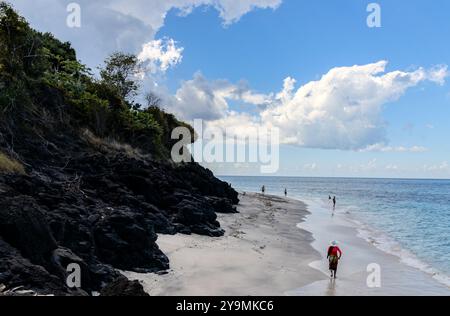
column 335, row 177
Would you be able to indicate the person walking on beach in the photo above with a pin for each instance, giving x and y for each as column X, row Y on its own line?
column 263, row 189
column 285, row 192
column 334, row 202
column 334, row 255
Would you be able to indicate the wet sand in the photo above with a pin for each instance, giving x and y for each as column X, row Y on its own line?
column 359, row 261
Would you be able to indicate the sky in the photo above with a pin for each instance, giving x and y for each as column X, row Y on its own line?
column 347, row 99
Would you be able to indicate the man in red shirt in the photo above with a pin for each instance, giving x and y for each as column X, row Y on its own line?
column 334, row 255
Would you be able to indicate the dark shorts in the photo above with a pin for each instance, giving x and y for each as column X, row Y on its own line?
column 333, row 261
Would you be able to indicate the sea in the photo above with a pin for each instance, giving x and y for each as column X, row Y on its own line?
column 404, row 217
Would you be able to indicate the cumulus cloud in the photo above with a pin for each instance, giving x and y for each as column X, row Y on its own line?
column 341, row 110
column 288, row 88
column 160, row 55
column 200, row 98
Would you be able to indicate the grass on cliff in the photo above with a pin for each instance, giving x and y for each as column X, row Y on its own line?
column 106, row 145
column 9, row 165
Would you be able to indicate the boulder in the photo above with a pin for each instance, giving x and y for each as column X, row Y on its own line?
column 16, row 271
column 24, row 226
column 127, row 241
column 123, row 287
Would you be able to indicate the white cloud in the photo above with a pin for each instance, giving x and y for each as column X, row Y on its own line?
column 399, row 149
column 154, row 12
column 231, row 11
column 121, row 25
column 254, row 98
column 160, row 55
column 342, row 110
column 200, row 99
column 442, row 167
column 438, row 74
column 205, row 99
column 288, row 88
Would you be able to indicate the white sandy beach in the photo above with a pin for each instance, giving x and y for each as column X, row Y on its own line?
column 264, row 252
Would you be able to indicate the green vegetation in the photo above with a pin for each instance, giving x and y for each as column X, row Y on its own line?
column 44, row 88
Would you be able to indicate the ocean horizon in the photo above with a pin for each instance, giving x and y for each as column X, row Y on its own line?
column 408, row 218
column 330, row 177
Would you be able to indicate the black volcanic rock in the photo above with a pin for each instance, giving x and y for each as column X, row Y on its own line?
column 23, row 225
column 126, row 240
column 16, row 271
column 123, row 287
column 102, row 212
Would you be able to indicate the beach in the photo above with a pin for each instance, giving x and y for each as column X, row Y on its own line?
column 277, row 246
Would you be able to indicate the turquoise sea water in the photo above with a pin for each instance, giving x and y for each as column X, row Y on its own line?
column 407, row 218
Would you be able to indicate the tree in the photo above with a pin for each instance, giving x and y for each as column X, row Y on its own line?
column 121, row 72
column 15, row 39
column 153, row 100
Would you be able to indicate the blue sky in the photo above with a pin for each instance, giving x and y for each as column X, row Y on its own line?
column 222, row 46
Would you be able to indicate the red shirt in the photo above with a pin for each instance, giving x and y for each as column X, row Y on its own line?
column 334, row 251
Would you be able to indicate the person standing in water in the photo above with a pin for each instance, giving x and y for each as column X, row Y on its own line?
column 263, row 189
column 334, row 202
column 285, row 192
column 334, row 255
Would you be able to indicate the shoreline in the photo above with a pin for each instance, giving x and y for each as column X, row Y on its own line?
column 275, row 246
column 361, row 259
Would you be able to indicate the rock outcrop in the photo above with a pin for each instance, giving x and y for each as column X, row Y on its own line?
column 123, row 287
column 102, row 212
